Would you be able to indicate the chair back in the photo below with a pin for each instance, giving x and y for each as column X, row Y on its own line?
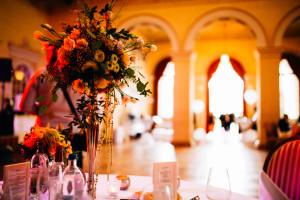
column 283, row 166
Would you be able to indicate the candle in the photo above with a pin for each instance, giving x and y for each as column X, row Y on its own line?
column 125, row 181
column 113, row 188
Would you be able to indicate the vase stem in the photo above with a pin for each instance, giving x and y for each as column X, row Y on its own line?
column 92, row 136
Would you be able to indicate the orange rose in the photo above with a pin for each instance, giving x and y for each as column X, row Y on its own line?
column 62, row 56
column 75, row 33
column 69, row 44
column 125, row 59
column 78, row 86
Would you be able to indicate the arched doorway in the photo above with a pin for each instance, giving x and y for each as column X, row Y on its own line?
column 289, row 74
column 225, row 88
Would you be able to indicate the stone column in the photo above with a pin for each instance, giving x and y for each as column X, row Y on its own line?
column 183, row 97
column 268, row 90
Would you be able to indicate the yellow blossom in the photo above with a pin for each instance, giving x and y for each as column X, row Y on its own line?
column 99, row 56
column 116, row 67
column 114, row 58
column 109, row 65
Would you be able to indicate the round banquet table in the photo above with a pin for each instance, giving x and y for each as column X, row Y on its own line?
column 187, row 190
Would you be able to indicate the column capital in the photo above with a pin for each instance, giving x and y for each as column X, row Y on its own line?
column 182, row 55
column 269, row 52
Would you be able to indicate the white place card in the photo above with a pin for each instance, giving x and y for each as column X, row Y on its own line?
column 165, row 174
column 16, row 179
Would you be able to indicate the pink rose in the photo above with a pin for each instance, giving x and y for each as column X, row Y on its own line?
column 75, row 33
column 69, row 44
column 81, row 43
column 140, row 41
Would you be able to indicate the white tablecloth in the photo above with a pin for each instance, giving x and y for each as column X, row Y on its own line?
column 187, row 190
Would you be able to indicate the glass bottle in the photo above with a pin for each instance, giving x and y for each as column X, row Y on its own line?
column 51, row 161
column 56, row 174
column 73, row 180
column 39, row 173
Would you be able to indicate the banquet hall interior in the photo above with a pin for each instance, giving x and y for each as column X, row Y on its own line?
column 224, row 75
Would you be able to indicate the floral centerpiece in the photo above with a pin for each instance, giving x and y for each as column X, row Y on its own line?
column 91, row 56
column 51, row 138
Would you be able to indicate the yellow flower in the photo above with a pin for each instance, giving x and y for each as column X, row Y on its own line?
column 109, row 65
column 101, row 83
column 99, row 56
column 114, row 58
column 90, row 64
column 116, row 67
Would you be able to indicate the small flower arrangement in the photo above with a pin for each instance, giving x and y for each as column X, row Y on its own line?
column 51, row 138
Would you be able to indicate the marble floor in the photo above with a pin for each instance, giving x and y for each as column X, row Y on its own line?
column 244, row 162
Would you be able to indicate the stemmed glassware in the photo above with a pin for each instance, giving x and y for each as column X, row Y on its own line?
column 218, row 184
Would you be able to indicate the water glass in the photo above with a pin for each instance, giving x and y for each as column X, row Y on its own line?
column 218, row 184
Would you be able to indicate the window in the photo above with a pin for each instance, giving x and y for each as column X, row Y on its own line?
column 226, row 89
column 166, row 92
column 289, row 91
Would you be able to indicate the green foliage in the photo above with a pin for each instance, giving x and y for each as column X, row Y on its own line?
column 40, row 98
column 54, row 97
column 43, row 110
column 130, row 72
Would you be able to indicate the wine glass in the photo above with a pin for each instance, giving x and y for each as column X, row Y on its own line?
column 218, row 185
column 160, row 192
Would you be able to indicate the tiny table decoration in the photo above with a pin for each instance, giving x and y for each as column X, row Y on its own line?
column 96, row 60
column 51, row 137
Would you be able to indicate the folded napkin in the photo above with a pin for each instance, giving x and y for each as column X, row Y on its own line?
column 268, row 190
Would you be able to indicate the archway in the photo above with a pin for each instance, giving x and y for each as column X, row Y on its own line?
column 156, row 21
column 282, row 26
column 240, row 15
column 239, row 70
column 158, row 73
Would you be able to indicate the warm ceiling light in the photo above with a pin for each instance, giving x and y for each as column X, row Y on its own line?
column 250, row 96
column 19, row 75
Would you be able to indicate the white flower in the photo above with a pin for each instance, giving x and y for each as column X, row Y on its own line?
column 153, row 47
column 140, row 41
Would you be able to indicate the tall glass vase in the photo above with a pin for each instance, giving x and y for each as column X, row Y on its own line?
column 92, row 137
